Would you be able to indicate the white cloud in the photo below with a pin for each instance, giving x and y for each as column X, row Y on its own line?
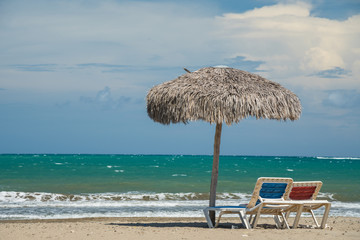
column 134, row 33
column 52, row 52
column 63, row 46
column 299, row 10
column 290, row 45
column 318, row 59
column 293, row 44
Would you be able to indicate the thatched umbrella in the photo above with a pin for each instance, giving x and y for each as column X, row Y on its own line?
column 217, row 95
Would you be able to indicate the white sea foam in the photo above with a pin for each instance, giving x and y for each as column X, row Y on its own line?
column 340, row 158
column 41, row 197
column 36, row 205
column 327, row 196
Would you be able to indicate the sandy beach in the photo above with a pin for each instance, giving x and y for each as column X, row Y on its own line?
column 171, row 228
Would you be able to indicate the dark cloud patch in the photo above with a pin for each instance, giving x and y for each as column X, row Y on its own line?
column 104, row 66
column 335, row 9
column 36, row 67
column 105, row 100
column 240, row 62
column 63, row 104
column 342, row 99
column 336, row 72
column 53, row 67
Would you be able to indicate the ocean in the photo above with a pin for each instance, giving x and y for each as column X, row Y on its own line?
column 45, row 186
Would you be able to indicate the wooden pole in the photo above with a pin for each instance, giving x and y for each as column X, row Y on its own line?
column 187, row 70
column 215, row 170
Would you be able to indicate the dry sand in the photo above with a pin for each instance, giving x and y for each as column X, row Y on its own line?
column 172, row 228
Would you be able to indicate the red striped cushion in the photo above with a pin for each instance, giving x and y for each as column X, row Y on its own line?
column 302, row 193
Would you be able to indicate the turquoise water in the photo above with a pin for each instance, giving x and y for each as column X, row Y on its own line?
column 62, row 185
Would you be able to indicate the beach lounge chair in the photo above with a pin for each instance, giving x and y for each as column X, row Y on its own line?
column 305, row 193
column 274, row 189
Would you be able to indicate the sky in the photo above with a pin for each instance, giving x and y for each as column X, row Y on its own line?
column 74, row 74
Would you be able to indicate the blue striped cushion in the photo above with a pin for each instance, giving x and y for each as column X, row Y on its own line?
column 272, row 190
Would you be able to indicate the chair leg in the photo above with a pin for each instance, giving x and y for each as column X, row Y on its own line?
column 207, row 217
column 257, row 216
column 254, row 221
column 297, row 217
column 244, row 220
column 218, row 220
column 285, row 222
column 325, row 216
column 314, row 218
column 281, row 224
column 250, row 217
column 287, row 215
column 277, row 221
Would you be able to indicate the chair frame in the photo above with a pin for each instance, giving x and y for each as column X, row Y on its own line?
column 308, row 205
column 278, row 207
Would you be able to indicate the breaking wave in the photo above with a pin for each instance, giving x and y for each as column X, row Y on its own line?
column 39, row 205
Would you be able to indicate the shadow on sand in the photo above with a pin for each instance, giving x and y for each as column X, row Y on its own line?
column 188, row 224
column 163, row 225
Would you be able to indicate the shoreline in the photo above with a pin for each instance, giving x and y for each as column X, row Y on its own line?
column 171, row 228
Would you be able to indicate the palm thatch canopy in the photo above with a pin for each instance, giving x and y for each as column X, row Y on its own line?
column 219, row 95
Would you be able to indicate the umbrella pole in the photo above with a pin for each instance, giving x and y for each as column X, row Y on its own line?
column 215, row 170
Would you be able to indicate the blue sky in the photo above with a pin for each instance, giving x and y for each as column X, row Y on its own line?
column 74, row 74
